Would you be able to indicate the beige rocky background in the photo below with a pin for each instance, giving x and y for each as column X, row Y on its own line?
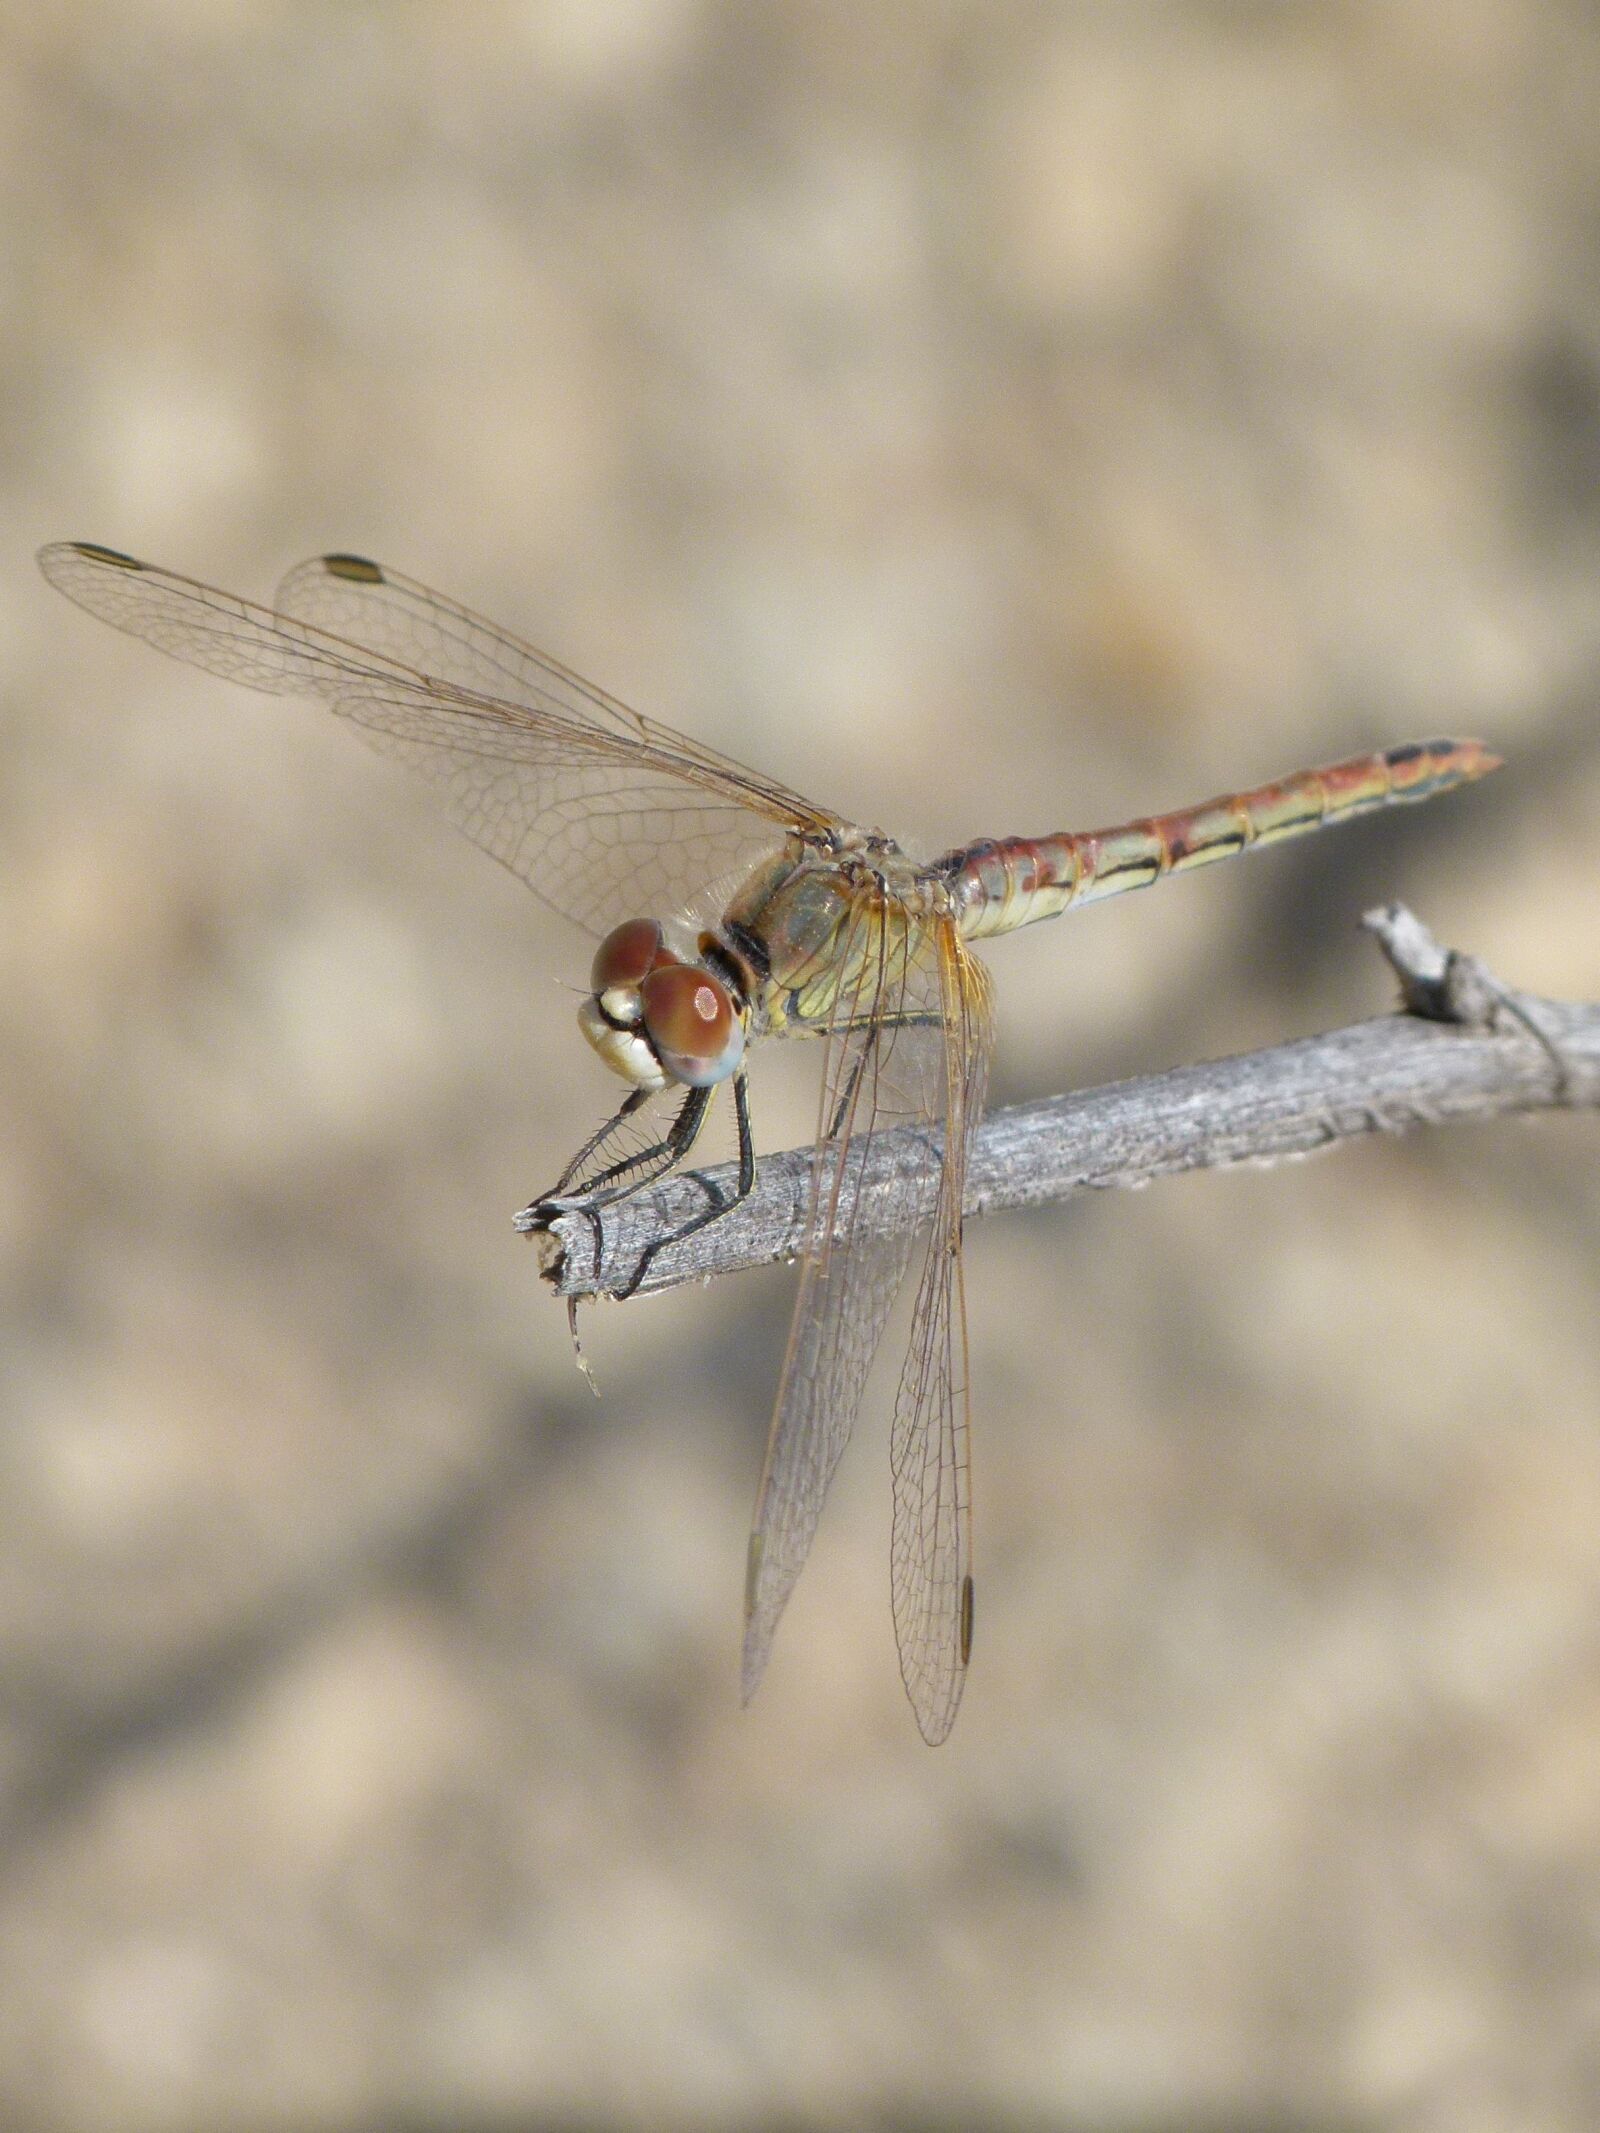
column 991, row 417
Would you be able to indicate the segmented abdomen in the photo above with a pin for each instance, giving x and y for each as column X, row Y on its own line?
column 1003, row 883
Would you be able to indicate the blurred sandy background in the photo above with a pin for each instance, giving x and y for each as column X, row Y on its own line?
column 992, row 418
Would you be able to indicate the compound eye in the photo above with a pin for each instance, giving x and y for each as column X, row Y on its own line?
column 627, row 955
column 691, row 1023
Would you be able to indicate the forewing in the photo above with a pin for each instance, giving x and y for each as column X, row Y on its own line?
column 425, row 632
column 604, row 814
column 884, row 1067
column 931, row 1550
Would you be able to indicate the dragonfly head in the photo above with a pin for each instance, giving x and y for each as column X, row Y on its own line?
column 655, row 1018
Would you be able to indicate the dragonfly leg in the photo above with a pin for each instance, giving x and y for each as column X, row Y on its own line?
column 650, row 1163
column 841, row 1110
column 886, row 1025
column 630, row 1103
column 718, row 1202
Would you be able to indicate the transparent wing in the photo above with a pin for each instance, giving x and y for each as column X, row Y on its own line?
column 423, row 631
column 885, row 1065
column 604, row 813
column 930, row 1445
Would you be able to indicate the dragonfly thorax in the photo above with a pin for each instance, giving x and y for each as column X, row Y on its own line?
column 656, row 1017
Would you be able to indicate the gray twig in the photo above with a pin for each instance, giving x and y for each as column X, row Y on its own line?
column 1466, row 1047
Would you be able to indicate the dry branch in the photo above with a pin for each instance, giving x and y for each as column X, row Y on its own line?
column 1466, row 1047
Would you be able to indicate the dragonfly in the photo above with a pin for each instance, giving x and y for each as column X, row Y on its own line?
column 728, row 909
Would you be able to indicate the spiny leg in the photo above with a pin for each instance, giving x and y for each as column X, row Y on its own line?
column 632, row 1102
column 841, row 1109
column 720, row 1203
column 663, row 1154
column 651, row 1163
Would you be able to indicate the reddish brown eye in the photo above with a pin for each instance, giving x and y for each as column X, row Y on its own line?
column 627, row 955
column 691, row 1023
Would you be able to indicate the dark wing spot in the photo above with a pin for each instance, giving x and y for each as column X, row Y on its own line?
column 354, row 567
column 96, row 554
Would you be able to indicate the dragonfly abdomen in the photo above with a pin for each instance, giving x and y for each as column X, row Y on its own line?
column 1002, row 883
